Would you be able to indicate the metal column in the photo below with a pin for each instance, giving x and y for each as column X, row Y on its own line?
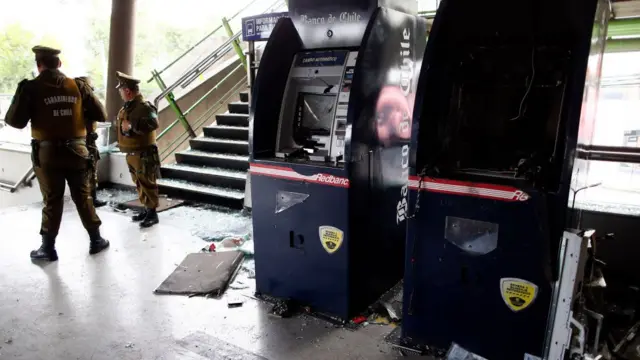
column 121, row 52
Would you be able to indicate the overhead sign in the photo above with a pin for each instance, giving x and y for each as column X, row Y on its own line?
column 259, row 27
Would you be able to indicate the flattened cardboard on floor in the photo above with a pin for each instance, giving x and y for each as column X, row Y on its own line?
column 203, row 274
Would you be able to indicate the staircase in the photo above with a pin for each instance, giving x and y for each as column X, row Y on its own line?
column 214, row 169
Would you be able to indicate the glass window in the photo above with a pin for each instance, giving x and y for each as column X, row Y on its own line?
column 616, row 185
column 618, row 118
column 616, row 188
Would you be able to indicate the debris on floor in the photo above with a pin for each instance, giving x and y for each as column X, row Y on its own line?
column 208, row 222
column 231, row 243
column 380, row 320
column 390, row 304
column 283, row 309
column 113, row 197
column 457, row 352
column 395, row 339
column 235, row 301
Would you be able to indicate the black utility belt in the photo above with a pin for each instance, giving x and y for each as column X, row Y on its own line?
column 60, row 143
column 150, row 150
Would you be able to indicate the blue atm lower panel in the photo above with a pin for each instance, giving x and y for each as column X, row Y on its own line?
column 475, row 275
column 289, row 218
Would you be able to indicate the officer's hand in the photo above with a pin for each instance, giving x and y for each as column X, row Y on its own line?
column 126, row 125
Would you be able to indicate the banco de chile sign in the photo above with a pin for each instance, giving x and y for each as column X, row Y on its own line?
column 259, row 27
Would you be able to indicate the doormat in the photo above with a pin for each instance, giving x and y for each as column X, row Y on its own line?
column 163, row 204
column 203, row 274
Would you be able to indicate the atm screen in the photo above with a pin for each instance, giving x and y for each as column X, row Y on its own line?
column 314, row 115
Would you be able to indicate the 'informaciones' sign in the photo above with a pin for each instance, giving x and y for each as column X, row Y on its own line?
column 259, row 27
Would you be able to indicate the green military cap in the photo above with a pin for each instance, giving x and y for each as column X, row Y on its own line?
column 125, row 80
column 45, row 51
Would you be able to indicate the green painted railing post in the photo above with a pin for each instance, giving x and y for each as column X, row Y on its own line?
column 235, row 43
column 174, row 105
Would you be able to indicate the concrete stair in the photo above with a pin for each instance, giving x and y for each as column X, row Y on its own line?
column 214, row 169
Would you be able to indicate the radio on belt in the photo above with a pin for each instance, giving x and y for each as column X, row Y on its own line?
column 330, row 120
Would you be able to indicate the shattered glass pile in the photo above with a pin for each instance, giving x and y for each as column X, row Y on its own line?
column 220, row 229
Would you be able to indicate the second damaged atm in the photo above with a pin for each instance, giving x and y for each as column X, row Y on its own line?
column 330, row 131
column 507, row 91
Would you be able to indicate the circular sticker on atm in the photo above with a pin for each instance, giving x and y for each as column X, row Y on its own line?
column 331, row 238
column 518, row 294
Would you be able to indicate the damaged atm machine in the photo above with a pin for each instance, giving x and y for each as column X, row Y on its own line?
column 330, row 131
column 495, row 259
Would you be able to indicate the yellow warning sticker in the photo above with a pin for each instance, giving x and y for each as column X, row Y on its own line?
column 331, row 238
column 518, row 294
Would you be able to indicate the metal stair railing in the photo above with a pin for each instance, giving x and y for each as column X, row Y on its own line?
column 198, row 102
column 232, row 43
column 199, row 68
column 26, row 179
column 212, row 111
column 204, row 39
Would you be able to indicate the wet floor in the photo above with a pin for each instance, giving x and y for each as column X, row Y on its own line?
column 103, row 308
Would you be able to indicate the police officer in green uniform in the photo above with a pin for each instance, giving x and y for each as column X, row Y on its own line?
column 92, row 136
column 137, row 124
column 56, row 106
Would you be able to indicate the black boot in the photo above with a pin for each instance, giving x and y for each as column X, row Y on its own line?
column 140, row 216
column 47, row 250
column 97, row 243
column 97, row 203
column 151, row 219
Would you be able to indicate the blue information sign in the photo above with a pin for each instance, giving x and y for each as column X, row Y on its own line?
column 259, row 27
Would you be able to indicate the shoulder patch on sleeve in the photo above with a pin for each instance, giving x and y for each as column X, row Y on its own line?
column 144, row 110
column 151, row 106
column 150, row 110
column 84, row 83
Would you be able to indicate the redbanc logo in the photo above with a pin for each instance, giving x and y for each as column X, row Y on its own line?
column 330, row 179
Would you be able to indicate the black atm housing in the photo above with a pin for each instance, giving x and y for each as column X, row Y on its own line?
column 322, row 213
column 505, row 90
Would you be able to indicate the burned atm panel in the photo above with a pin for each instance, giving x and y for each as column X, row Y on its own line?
column 509, row 101
column 501, row 98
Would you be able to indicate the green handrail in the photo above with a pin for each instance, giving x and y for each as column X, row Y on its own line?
column 171, row 98
column 198, row 102
column 235, row 43
column 202, row 40
column 200, row 121
column 204, row 117
column 174, row 105
column 211, row 34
